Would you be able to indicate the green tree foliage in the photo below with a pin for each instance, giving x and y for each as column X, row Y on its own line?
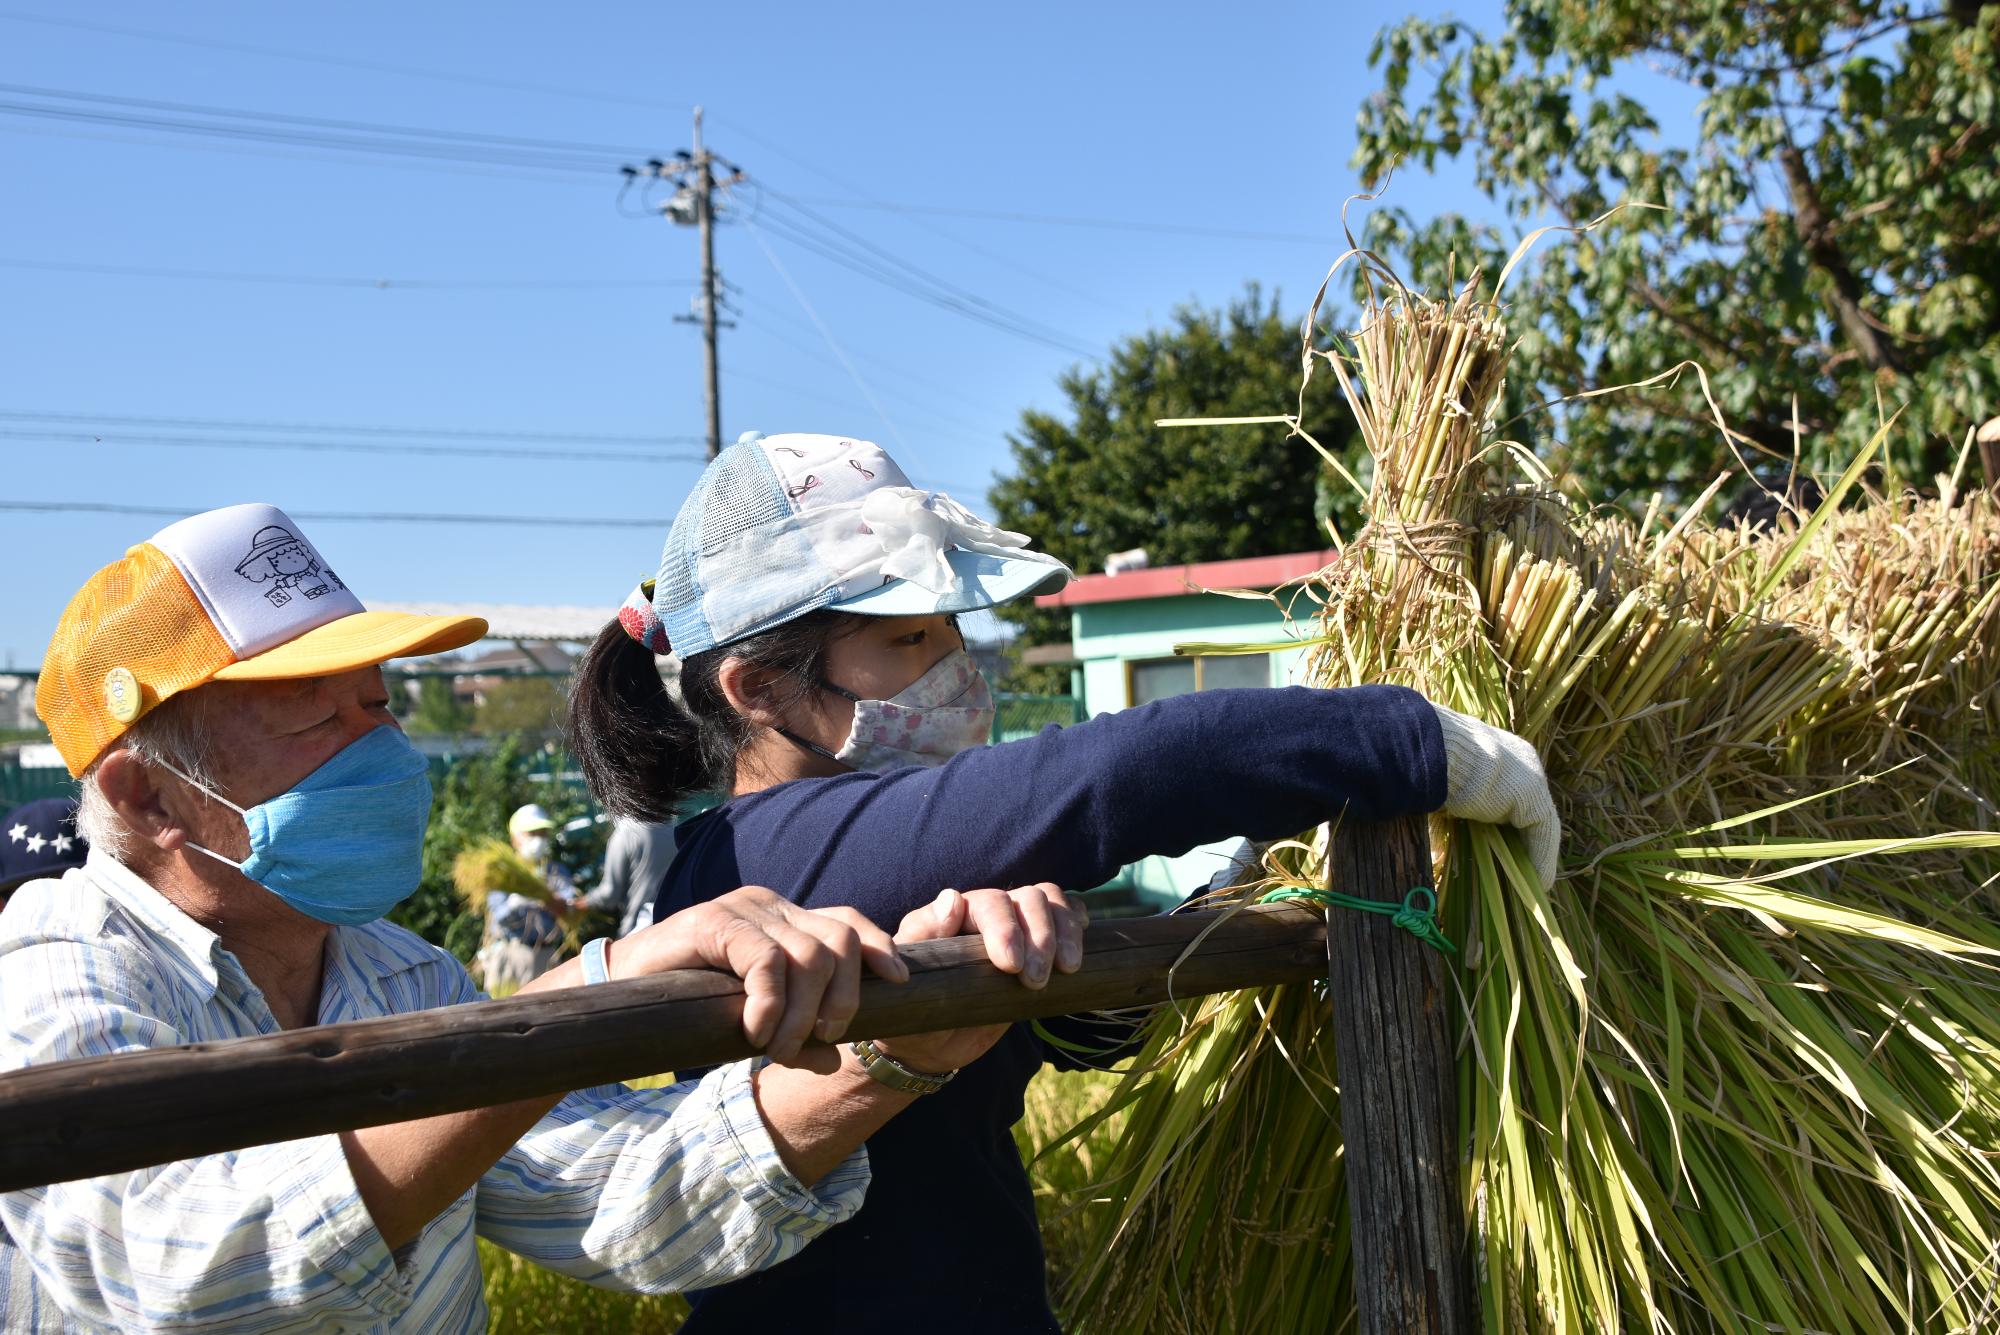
column 435, row 709
column 471, row 801
column 1101, row 478
column 1832, row 236
column 521, row 704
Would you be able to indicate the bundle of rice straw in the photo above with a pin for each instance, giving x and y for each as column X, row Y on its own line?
column 1740, row 1068
column 492, row 864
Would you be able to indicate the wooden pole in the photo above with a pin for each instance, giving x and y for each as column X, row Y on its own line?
column 1394, row 1021
column 101, row 1115
column 1988, row 438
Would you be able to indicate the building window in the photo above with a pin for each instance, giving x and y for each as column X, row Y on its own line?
column 1150, row 679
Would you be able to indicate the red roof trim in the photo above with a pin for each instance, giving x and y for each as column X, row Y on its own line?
column 1253, row 572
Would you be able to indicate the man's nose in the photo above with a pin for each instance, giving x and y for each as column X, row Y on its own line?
column 357, row 721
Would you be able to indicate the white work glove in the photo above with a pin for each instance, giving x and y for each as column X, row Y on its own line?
column 1495, row 777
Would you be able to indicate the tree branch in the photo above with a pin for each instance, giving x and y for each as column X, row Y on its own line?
column 1815, row 231
column 1964, row 12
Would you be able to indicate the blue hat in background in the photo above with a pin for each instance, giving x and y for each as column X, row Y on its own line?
column 779, row 526
column 39, row 839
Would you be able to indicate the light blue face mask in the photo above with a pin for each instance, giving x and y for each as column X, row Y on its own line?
column 346, row 843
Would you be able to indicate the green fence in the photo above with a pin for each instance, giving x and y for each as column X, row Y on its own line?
column 1018, row 716
column 18, row 785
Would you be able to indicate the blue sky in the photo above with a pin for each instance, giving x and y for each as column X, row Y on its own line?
column 552, row 313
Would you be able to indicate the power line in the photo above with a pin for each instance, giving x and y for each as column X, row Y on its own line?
column 339, row 516
column 232, row 123
column 471, row 138
column 890, row 270
column 1040, row 277
column 933, row 228
column 962, row 294
column 568, row 454
column 1062, row 220
column 354, row 144
column 813, row 354
column 845, row 405
column 327, row 428
column 325, row 280
column 347, row 62
column 827, row 334
column 861, row 199
column 930, row 383
column 430, row 167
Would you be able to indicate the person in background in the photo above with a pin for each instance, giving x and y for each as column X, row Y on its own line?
column 524, row 934
column 254, row 811
column 39, row 839
column 636, row 858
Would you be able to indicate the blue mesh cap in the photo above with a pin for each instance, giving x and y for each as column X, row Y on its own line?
column 779, row 526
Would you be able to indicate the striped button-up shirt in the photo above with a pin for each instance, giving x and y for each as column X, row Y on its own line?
column 654, row 1190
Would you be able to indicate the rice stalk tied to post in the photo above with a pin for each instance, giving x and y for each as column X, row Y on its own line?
column 1739, row 1069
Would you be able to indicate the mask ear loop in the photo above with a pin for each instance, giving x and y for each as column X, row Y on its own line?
column 812, row 746
column 201, row 787
column 210, row 793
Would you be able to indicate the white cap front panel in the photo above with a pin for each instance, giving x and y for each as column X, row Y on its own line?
column 262, row 582
column 820, row 471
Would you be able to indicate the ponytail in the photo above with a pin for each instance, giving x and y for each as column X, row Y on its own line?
column 639, row 747
column 643, row 752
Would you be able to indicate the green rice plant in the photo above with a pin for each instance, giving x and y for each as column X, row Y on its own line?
column 1739, row 1069
column 526, row 1299
column 1061, row 1170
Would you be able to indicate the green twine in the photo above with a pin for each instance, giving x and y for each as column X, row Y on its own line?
column 1417, row 914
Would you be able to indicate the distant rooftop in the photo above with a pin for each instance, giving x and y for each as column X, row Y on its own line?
column 518, row 621
column 1251, row 572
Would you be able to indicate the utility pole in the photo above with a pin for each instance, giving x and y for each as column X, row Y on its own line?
column 693, row 174
column 704, row 203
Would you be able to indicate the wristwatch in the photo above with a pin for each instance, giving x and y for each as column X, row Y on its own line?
column 884, row 1069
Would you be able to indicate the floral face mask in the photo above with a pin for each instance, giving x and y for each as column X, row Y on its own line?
column 947, row 710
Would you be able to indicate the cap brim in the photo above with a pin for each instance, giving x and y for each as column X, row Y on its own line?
column 984, row 581
column 357, row 641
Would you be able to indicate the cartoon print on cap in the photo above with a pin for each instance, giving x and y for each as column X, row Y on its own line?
column 287, row 561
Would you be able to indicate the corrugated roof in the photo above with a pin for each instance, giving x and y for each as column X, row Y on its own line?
column 1252, row 572
column 518, row 621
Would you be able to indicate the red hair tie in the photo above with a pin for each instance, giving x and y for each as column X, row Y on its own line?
column 641, row 622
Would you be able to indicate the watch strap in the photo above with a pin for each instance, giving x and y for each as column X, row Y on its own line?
column 886, row 1070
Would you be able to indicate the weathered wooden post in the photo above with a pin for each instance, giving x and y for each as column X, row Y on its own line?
column 1393, row 1023
column 1988, row 439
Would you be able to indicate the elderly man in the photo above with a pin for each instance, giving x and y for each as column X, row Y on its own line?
column 253, row 812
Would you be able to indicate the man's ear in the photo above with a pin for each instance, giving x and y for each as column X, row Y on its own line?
column 753, row 692
column 127, row 784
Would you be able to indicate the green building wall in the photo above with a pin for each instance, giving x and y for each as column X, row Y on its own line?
column 1109, row 636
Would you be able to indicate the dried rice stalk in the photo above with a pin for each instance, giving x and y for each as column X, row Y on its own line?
column 1740, row 1069
column 492, row 864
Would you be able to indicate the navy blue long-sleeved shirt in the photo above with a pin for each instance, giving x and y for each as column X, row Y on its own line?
column 947, row 1236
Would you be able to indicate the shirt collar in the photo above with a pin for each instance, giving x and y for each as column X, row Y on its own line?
column 196, row 945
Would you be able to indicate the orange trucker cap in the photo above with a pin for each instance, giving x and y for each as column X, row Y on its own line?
column 236, row 594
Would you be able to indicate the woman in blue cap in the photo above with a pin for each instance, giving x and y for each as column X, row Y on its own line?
column 810, row 594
